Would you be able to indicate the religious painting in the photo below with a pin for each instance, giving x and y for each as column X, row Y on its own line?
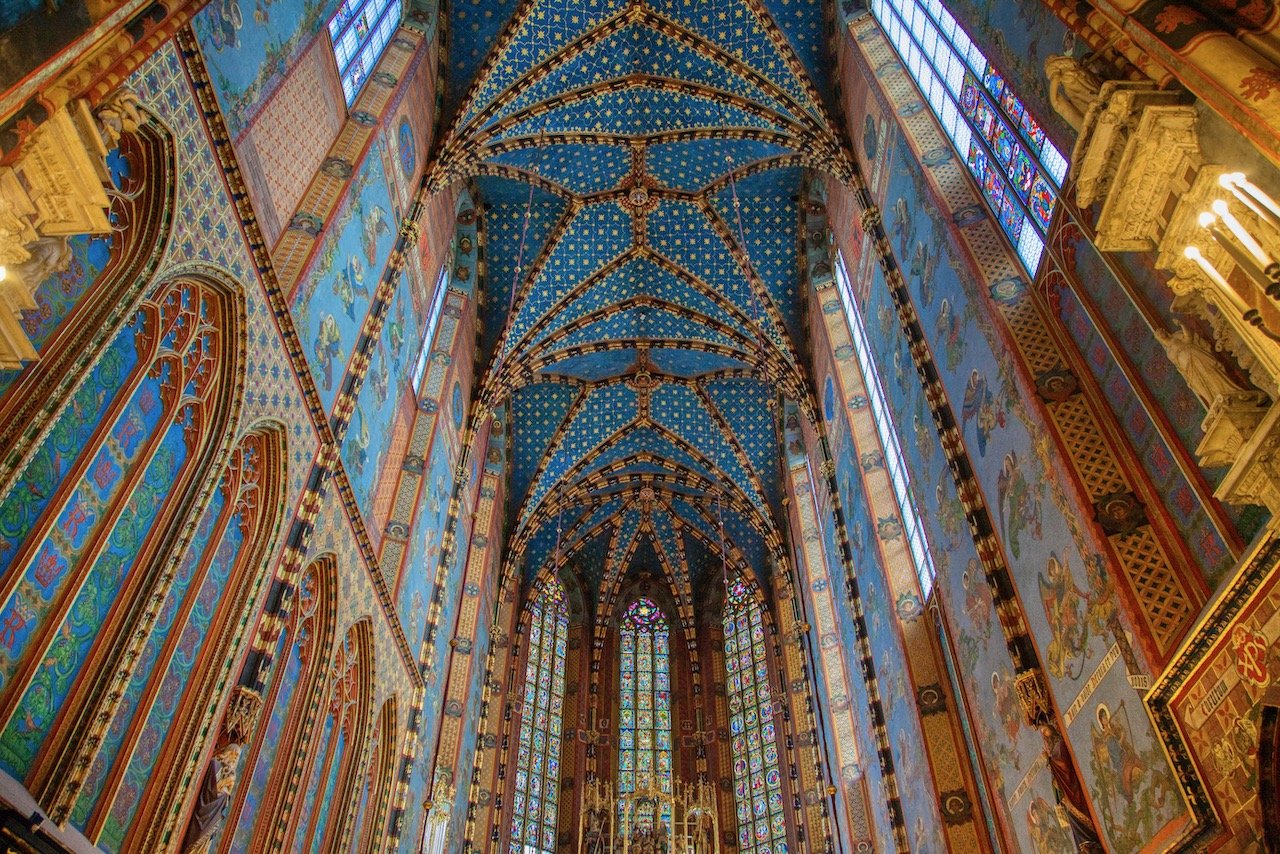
column 1010, row 465
column 381, row 396
column 1020, row 503
column 336, row 291
column 980, row 407
column 248, row 63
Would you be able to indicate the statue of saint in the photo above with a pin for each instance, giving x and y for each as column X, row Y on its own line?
column 211, row 805
column 1203, row 372
column 48, row 256
column 595, row 831
column 1070, row 792
column 1072, row 88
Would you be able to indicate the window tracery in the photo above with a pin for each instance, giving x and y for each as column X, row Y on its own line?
column 537, row 786
column 1019, row 171
column 757, row 782
column 644, row 703
column 359, row 31
column 139, row 432
column 433, row 321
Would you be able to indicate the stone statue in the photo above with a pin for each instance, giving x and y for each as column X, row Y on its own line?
column 1203, row 372
column 211, row 805
column 121, row 113
column 46, row 257
column 1072, row 88
column 15, row 231
column 1070, row 792
column 595, row 831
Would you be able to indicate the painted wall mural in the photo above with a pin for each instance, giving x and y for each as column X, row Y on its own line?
column 369, row 438
column 248, row 63
column 919, row 798
column 1066, row 594
column 1011, row 750
column 336, row 291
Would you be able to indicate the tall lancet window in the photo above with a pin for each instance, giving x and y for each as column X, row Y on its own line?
column 757, row 784
column 359, row 31
column 537, row 789
column 1019, row 170
column 644, row 704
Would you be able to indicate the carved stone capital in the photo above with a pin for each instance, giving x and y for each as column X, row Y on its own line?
column 1231, row 422
column 1254, row 476
column 1108, row 128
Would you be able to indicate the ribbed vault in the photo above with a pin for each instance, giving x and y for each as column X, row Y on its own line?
column 640, row 166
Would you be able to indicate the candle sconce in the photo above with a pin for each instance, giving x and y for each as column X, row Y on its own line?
column 1249, row 233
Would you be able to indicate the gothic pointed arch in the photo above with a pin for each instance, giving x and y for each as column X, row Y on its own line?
column 260, row 809
column 332, row 771
column 537, row 760
column 753, row 733
column 148, row 770
column 645, row 761
column 371, row 822
column 100, row 514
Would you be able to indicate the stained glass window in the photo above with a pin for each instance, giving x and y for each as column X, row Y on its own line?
column 359, row 30
column 644, row 703
column 537, row 781
column 895, row 463
column 433, row 321
column 757, row 783
column 1018, row 168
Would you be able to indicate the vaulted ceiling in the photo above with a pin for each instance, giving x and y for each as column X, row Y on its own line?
column 640, row 166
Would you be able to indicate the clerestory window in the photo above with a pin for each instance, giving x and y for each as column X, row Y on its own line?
column 359, row 32
column 1019, row 170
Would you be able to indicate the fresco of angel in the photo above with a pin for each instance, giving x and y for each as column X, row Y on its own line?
column 362, row 440
column 950, row 515
column 1007, row 705
column 349, row 283
column 977, row 603
column 902, row 225
column 948, row 328
column 1066, row 609
column 375, row 223
column 923, row 263
column 1131, row 798
column 980, row 407
column 328, row 349
column 1049, row 833
column 1019, row 504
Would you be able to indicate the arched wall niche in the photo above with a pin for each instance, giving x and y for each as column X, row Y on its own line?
column 76, row 317
column 102, row 510
column 374, row 813
column 209, row 647
column 335, row 762
column 259, row 814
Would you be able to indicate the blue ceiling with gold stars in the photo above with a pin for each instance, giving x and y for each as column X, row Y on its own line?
column 640, row 165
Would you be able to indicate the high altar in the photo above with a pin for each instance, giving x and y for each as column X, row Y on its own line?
column 649, row 821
